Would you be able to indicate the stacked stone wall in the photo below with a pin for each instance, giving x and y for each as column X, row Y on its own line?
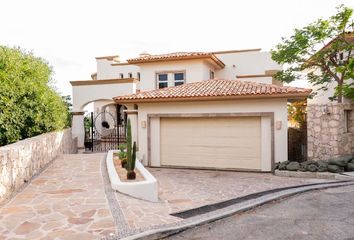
column 20, row 161
column 326, row 134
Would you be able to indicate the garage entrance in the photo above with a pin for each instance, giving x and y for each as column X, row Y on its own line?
column 211, row 142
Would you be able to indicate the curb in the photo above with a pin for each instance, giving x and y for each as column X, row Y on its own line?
column 231, row 210
column 318, row 175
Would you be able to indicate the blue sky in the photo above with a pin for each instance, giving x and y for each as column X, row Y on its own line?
column 70, row 34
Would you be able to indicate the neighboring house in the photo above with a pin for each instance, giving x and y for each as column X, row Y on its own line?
column 195, row 109
column 330, row 124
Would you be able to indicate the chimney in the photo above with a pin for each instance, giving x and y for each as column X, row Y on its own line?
column 144, row 54
column 116, row 59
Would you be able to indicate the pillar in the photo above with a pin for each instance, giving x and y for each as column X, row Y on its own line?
column 78, row 128
column 132, row 115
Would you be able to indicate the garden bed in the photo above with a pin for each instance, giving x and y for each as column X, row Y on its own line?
column 122, row 172
column 145, row 188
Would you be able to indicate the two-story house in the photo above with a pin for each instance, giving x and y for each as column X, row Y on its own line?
column 218, row 110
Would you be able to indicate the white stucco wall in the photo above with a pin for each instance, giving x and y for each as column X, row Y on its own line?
column 196, row 70
column 277, row 106
column 106, row 71
column 245, row 63
column 84, row 94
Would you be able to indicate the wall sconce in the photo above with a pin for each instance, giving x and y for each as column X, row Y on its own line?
column 278, row 125
column 325, row 109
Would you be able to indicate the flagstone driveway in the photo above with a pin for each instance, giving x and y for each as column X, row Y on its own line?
column 72, row 199
column 66, row 201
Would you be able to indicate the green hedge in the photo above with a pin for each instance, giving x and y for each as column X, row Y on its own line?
column 29, row 105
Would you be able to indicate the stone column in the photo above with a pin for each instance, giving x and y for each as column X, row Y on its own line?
column 78, row 128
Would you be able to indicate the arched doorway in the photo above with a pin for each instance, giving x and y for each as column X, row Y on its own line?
column 105, row 128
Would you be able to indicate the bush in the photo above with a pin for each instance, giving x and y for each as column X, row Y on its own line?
column 29, row 105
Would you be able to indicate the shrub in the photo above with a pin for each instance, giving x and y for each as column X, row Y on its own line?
column 29, row 105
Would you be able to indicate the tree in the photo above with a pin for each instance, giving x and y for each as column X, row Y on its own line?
column 297, row 113
column 323, row 52
column 67, row 100
column 29, row 105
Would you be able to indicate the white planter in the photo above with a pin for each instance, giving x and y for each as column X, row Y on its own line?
column 146, row 190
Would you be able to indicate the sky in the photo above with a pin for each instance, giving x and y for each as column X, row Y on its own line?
column 69, row 34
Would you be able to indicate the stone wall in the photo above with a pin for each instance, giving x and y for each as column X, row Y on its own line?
column 22, row 160
column 326, row 136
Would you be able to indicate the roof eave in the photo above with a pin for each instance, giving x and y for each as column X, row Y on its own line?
column 214, row 98
column 211, row 56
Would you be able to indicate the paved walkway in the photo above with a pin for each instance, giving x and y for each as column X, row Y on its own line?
column 185, row 189
column 67, row 201
column 72, row 199
column 320, row 215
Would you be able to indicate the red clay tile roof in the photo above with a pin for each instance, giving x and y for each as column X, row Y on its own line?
column 215, row 89
column 176, row 56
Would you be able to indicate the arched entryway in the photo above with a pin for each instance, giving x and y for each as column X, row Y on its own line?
column 105, row 128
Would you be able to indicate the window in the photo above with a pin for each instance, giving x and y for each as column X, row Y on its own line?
column 347, row 120
column 212, row 74
column 162, row 80
column 130, row 75
column 138, row 75
column 170, row 79
column 121, row 75
column 179, row 78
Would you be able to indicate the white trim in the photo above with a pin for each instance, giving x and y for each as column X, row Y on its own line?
column 146, row 190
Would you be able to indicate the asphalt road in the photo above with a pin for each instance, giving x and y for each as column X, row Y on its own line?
column 323, row 214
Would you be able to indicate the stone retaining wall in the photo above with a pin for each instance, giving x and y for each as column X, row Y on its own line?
column 326, row 137
column 22, row 160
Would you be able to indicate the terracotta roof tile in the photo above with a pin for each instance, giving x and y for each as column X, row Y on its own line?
column 217, row 88
column 176, row 56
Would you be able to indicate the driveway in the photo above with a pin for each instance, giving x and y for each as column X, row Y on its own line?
column 72, row 199
column 186, row 189
column 325, row 214
column 66, row 201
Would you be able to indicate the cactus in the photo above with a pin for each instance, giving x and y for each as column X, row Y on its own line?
column 129, row 145
column 134, row 155
column 131, row 153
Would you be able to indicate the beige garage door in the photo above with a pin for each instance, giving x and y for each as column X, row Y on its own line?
column 215, row 142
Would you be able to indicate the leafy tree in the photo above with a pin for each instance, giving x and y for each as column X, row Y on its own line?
column 323, row 52
column 297, row 113
column 67, row 100
column 29, row 104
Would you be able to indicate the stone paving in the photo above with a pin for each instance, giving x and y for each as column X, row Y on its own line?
column 67, row 201
column 72, row 199
column 185, row 189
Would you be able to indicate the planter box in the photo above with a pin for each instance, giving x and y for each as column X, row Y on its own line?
column 146, row 190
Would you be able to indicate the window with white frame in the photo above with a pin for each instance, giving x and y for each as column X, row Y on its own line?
column 162, row 79
column 179, row 78
column 121, row 75
column 130, row 75
column 138, row 75
column 170, row 79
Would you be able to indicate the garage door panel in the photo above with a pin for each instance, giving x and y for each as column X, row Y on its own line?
column 211, row 142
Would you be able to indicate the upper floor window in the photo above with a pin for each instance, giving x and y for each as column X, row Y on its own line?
column 121, row 75
column 138, row 75
column 130, row 75
column 162, row 80
column 179, row 78
column 170, row 79
column 212, row 74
